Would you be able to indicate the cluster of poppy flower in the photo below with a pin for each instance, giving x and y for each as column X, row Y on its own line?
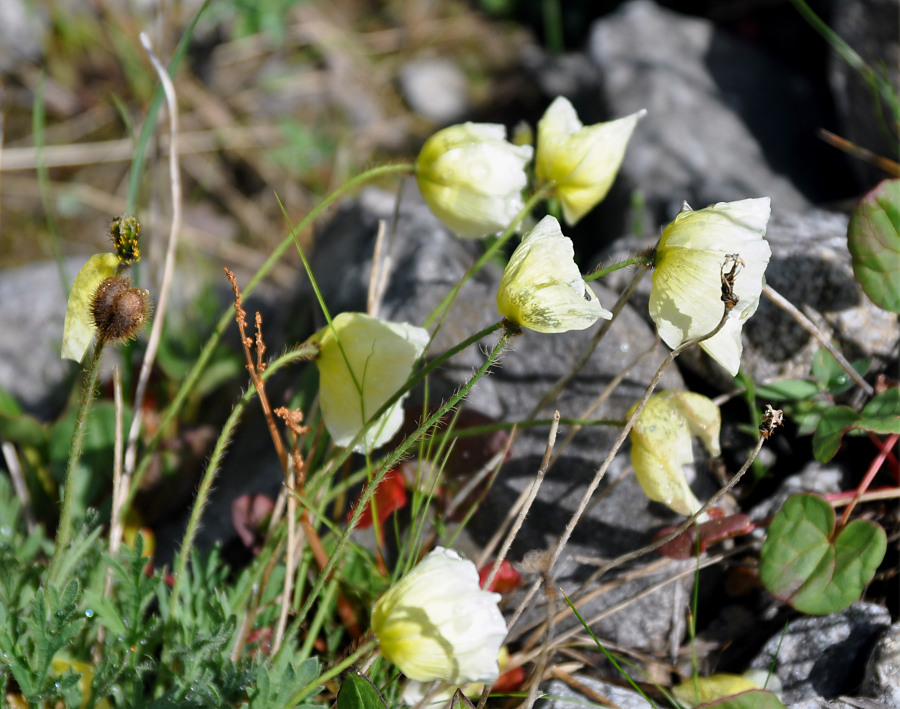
column 436, row 623
column 473, row 180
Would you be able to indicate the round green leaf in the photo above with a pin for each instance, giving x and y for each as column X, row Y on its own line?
column 873, row 237
column 805, row 565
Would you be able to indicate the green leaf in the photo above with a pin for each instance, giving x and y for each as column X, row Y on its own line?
column 804, row 564
column 882, row 413
column 358, row 692
column 753, row 699
column 788, row 390
column 873, row 237
column 827, row 438
column 831, row 374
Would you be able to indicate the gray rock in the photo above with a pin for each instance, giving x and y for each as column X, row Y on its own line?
column 22, row 30
column 882, row 680
column 870, row 28
column 560, row 695
column 435, row 88
column 427, row 262
column 716, row 121
column 815, row 477
column 824, row 655
column 34, row 308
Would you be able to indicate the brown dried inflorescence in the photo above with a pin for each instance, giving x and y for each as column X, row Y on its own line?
column 119, row 311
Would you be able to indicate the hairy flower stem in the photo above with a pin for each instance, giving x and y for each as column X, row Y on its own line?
column 225, row 320
column 444, row 306
column 388, row 464
column 67, row 516
column 209, row 476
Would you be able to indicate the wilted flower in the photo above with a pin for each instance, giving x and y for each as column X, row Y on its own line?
column 582, row 160
column 435, row 623
column 472, row 178
column 686, row 295
column 542, row 288
column 380, row 356
column 701, row 690
column 79, row 328
column 661, row 445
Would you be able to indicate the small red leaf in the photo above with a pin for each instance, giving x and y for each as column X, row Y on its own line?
column 686, row 544
column 389, row 497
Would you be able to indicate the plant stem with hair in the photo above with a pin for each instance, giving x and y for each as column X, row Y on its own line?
column 67, row 515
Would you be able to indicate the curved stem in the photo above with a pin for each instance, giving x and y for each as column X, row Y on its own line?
column 444, row 306
column 643, row 260
column 67, row 516
column 225, row 319
column 395, row 457
column 212, row 469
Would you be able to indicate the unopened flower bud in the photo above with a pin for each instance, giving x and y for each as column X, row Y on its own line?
column 125, row 233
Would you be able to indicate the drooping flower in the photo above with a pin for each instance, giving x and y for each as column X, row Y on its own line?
column 686, row 295
column 701, row 690
column 542, row 288
column 362, row 363
column 472, row 178
column 435, row 623
column 661, row 445
column 582, row 160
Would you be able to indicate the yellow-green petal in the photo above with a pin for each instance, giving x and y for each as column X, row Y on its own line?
column 79, row 330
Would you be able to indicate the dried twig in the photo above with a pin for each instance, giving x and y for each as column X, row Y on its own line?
column 168, row 270
column 820, row 336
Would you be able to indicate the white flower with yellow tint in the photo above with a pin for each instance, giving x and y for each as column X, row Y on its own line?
column 700, row 690
column 79, row 328
column 582, row 160
column 686, row 295
column 542, row 288
column 472, row 178
column 661, row 445
column 380, row 356
column 436, row 623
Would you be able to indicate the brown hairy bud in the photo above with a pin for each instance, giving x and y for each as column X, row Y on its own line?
column 119, row 311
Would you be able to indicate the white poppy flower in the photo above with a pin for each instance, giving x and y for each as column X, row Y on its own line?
column 436, row 623
column 381, row 356
column 661, row 445
column 582, row 160
column 542, row 288
column 686, row 295
column 472, row 178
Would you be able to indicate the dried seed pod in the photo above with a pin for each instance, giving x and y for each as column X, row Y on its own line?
column 119, row 311
column 125, row 233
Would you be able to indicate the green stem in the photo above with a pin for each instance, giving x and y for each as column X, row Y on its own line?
column 227, row 316
column 363, row 650
column 212, row 469
column 389, row 463
column 532, row 202
column 644, row 260
column 67, row 516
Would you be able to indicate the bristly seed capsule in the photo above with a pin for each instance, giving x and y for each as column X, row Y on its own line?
column 125, row 233
column 119, row 311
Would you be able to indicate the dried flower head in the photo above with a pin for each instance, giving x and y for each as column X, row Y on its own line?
column 119, row 311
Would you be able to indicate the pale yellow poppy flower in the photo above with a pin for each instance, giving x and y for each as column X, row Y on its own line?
column 472, row 178
column 436, row 623
column 542, row 288
column 661, row 445
column 686, row 295
column 582, row 160
column 381, row 356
